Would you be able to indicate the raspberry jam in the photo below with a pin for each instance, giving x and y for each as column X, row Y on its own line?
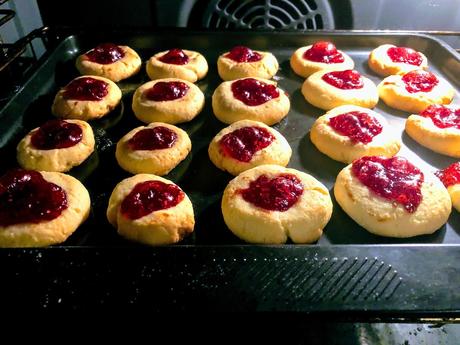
column 404, row 55
column 345, row 80
column 26, row 197
column 324, row 52
column 279, row 193
column 242, row 143
column 420, row 81
column 253, row 92
column 56, row 134
column 167, row 91
column 156, row 138
column 149, row 196
column 243, row 54
column 450, row 175
column 442, row 116
column 395, row 179
column 86, row 89
column 105, row 54
column 358, row 126
column 175, row 57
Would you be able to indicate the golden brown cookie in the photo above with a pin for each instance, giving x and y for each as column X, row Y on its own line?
column 389, row 59
column 349, row 132
column 110, row 61
column 450, row 177
column 86, row 98
column 415, row 90
column 321, row 56
column 438, row 128
column 250, row 99
column 243, row 62
column 270, row 204
column 246, row 144
column 331, row 89
column 167, row 100
column 39, row 208
column 155, row 149
column 177, row 63
column 404, row 201
column 57, row 145
column 151, row 210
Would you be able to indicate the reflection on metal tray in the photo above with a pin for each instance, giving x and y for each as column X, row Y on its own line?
column 349, row 269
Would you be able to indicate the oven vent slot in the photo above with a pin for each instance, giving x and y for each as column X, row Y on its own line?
column 268, row 14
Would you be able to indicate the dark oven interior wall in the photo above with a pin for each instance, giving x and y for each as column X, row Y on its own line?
column 100, row 13
column 161, row 13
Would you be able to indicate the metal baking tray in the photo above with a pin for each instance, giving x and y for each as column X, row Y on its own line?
column 349, row 272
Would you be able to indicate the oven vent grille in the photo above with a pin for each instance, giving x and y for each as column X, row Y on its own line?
column 267, row 14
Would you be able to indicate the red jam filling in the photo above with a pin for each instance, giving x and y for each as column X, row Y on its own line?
column 86, row 89
column 156, row 138
column 324, row 52
column 345, row 80
column 253, row 92
column 105, row 54
column 149, row 196
column 450, row 175
column 395, row 179
column 442, row 116
column 279, row 193
column 242, row 143
column 243, row 54
column 175, row 57
column 167, row 91
column 358, row 126
column 26, row 197
column 404, row 55
column 56, row 134
column 420, row 81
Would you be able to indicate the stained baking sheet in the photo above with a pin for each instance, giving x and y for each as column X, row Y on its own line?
column 348, row 272
column 202, row 181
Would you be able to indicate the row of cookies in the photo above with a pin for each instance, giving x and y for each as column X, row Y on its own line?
column 265, row 204
column 116, row 62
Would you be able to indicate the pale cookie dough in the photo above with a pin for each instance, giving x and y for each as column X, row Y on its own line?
column 124, row 68
column 229, row 109
column 383, row 217
column 325, row 96
column 68, row 108
column 303, row 222
column 454, row 192
column 277, row 152
column 172, row 111
column 382, row 64
column 160, row 161
column 59, row 159
column 442, row 140
column 341, row 148
column 450, row 177
column 53, row 231
column 304, row 67
column 195, row 69
column 392, row 90
column 159, row 227
column 265, row 68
